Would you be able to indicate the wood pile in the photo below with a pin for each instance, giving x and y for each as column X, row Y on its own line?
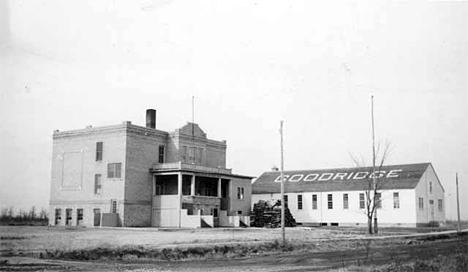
column 268, row 214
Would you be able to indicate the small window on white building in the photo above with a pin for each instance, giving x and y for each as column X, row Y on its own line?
column 421, row 203
column 396, row 200
column 285, row 198
column 314, row 202
column 97, row 184
column 79, row 217
column 58, row 216
column 378, row 200
column 299, row 202
column 114, row 170
column 345, row 202
column 440, row 205
column 362, row 202
column 330, row 201
column 99, row 151
column 430, row 187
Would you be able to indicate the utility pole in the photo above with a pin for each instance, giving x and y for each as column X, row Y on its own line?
column 458, row 205
column 375, row 206
column 282, row 187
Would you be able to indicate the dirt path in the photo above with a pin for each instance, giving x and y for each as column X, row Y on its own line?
column 297, row 261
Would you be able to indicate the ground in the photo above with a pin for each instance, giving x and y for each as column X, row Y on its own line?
column 230, row 249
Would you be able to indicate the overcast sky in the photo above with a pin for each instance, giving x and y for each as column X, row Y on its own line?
column 68, row 64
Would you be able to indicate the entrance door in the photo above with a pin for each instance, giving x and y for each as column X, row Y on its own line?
column 97, row 217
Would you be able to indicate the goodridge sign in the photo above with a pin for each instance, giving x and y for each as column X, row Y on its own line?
column 339, row 176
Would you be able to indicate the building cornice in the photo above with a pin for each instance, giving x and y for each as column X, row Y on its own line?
column 125, row 127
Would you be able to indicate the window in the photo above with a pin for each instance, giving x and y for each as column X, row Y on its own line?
column 240, row 193
column 396, row 200
column 99, row 151
column 58, row 216
column 314, row 202
column 362, row 202
column 161, row 154
column 199, row 156
column 299, row 202
column 345, row 201
column 68, row 215
column 430, row 187
column 192, row 151
column 378, row 200
column 114, row 206
column 285, row 201
column 79, row 216
column 97, row 184
column 239, row 212
column 184, row 154
column 421, row 203
column 440, row 204
column 330, row 201
column 114, row 170
column 158, row 190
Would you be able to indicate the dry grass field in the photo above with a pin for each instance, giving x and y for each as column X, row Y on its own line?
column 35, row 239
column 232, row 249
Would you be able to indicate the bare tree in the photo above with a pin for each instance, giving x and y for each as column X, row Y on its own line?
column 43, row 214
column 11, row 212
column 32, row 213
column 4, row 213
column 374, row 183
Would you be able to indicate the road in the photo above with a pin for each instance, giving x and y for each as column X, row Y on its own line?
column 368, row 252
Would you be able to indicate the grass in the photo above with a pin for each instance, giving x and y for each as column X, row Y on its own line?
column 131, row 253
column 457, row 262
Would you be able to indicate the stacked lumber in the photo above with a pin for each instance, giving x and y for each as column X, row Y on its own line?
column 268, row 214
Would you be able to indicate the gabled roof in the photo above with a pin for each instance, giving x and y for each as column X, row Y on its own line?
column 191, row 129
column 404, row 176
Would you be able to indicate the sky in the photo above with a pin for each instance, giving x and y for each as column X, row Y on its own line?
column 249, row 64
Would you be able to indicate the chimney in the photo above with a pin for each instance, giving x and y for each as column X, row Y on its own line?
column 151, row 118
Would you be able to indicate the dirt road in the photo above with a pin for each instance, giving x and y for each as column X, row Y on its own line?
column 365, row 253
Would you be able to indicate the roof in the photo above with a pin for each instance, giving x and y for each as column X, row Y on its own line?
column 404, row 176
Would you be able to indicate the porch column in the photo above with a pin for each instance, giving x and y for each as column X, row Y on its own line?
column 154, row 185
column 179, row 193
column 219, row 187
column 192, row 186
column 179, row 184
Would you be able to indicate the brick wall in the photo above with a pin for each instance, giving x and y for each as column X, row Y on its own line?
column 142, row 153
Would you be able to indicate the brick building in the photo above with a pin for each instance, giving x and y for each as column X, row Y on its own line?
column 410, row 195
column 128, row 175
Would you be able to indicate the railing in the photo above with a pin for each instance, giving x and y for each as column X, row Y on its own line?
column 186, row 166
column 201, row 200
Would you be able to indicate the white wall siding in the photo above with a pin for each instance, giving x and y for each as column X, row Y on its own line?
column 403, row 215
column 429, row 212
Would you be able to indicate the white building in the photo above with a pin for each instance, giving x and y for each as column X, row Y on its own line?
column 410, row 195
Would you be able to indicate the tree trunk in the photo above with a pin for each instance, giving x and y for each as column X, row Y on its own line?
column 376, row 228
column 369, row 224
